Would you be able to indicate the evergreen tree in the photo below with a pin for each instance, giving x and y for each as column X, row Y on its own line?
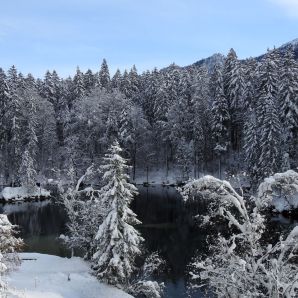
column 104, row 75
column 270, row 127
column 252, row 147
column 201, row 119
column 28, row 164
column 4, row 120
column 132, row 90
column 79, row 85
column 219, row 110
column 221, row 116
column 14, row 118
column 250, row 75
column 289, row 101
column 233, row 90
column 117, row 242
column 150, row 95
column 116, row 80
column 89, row 81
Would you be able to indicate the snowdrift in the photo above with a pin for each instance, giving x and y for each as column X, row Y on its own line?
column 47, row 276
column 22, row 193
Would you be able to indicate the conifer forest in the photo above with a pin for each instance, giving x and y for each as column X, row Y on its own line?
column 131, row 176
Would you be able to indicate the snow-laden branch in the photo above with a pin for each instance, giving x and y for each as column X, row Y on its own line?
column 279, row 191
column 239, row 265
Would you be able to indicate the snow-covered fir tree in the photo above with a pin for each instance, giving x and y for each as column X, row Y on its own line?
column 104, row 75
column 79, row 85
column 233, row 77
column 116, row 79
column 117, row 241
column 288, row 95
column 89, row 81
column 267, row 113
column 9, row 246
column 28, row 164
column 252, row 146
column 219, row 110
column 220, row 116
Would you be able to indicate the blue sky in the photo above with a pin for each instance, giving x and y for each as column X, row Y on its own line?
column 61, row 34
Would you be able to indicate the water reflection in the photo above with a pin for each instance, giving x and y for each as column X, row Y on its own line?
column 39, row 224
column 167, row 226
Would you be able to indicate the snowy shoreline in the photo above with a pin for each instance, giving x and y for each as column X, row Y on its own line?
column 21, row 193
column 49, row 276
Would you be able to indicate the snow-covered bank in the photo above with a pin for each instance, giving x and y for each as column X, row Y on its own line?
column 22, row 193
column 50, row 276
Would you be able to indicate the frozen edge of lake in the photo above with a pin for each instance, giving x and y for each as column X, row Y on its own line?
column 46, row 276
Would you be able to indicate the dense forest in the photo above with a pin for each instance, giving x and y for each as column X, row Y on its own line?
column 232, row 116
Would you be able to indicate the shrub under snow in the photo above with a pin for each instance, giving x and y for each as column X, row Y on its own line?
column 279, row 191
column 238, row 265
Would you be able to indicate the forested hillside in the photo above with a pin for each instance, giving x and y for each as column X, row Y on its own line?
column 222, row 114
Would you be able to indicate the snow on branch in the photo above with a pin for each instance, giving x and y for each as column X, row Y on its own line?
column 279, row 191
column 239, row 266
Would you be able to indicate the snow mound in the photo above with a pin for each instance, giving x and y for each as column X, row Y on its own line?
column 279, row 191
column 21, row 193
column 50, row 276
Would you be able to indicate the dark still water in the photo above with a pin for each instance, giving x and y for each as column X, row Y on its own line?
column 166, row 227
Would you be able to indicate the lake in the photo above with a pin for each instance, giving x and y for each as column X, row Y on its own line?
column 167, row 226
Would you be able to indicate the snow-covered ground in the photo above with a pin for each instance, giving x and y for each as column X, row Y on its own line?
column 48, row 276
column 21, row 193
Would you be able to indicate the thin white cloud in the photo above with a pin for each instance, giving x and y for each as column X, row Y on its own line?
column 290, row 6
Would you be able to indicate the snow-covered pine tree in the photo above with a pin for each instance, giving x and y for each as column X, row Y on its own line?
column 289, row 90
column 250, row 76
column 221, row 117
column 220, row 112
column 9, row 246
column 150, row 92
column 104, row 75
column 27, row 171
column 133, row 84
column 289, row 101
column 133, row 132
column 117, row 241
column 125, row 130
column 233, row 80
column 184, row 157
column 13, row 119
column 219, row 109
column 52, row 91
column 89, row 81
column 168, row 92
column 270, row 126
column 79, row 85
column 116, row 80
column 201, row 122
column 252, row 146
column 4, row 127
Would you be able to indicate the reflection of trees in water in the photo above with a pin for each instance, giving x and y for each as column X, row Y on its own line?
column 36, row 218
column 168, row 227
